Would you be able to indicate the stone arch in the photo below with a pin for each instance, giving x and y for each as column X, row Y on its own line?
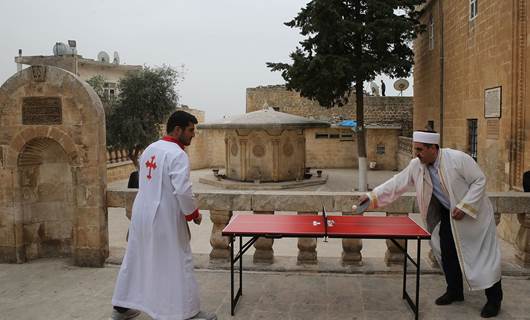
column 47, row 113
column 47, row 201
column 21, row 139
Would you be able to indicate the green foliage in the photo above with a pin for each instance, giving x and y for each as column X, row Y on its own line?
column 98, row 84
column 146, row 99
column 348, row 42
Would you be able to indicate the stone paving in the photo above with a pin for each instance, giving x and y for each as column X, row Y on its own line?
column 54, row 289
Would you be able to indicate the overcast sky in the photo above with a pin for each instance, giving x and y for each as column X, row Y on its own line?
column 222, row 44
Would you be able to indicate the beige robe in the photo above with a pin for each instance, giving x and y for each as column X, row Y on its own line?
column 475, row 236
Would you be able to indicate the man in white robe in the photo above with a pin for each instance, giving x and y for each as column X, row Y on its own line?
column 451, row 195
column 156, row 275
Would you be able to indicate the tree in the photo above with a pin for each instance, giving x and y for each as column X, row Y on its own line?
column 146, row 99
column 348, row 42
column 98, row 84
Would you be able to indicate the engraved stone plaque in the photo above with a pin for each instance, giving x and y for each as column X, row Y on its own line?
column 492, row 129
column 492, row 102
column 42, row 110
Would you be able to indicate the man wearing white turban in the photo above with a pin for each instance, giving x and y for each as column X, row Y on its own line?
column 451, row 195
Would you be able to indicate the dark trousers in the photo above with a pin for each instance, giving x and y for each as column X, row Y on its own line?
column 451, row 267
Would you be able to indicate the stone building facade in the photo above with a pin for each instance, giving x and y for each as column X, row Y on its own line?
column 378, row 111
column 84, row 68
column 470, row 83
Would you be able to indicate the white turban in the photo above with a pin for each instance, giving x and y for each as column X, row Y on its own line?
column 426, row 137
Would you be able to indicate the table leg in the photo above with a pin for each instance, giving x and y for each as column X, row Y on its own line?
column 405, row 261
column 232, row 300
column 418, row 261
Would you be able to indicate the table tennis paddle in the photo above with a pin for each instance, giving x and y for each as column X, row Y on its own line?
column 362, row 207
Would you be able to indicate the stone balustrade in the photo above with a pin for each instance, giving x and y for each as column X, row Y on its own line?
column 223, row 203
column 116, row 155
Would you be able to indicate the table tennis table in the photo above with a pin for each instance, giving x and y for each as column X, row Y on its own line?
column 322, row 226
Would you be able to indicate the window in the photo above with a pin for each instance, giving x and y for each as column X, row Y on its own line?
column 473, row 9
column 472, row 143
column 334, row 135
column 109, row 89
column 346, row 137
column 380, row 149
column 321, row 136
column 431, row 33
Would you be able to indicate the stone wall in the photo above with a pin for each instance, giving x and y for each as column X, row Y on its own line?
column 330, row 148
column 377, row 110
column 404, row 154
column 486, row 52
column 119, row 171
column 207, row 149
column 325, row 148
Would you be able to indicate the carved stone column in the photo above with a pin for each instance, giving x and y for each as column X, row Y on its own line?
column 275, row 159
column 307, row 253
column 351, row 249
column 393, row 254
column 220, row 244
column 264, row 252
column 243, row 158
column 522, row 242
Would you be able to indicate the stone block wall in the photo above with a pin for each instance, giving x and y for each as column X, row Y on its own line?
column 207, row 149
column 486, row 52
column 404, row 154
column 377, row 110
column 119, row 171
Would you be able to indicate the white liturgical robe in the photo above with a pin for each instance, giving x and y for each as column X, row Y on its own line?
column 156, row 275
column 475, row 235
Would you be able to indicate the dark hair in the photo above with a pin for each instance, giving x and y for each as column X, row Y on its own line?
column 429, row 145
column 180, row 119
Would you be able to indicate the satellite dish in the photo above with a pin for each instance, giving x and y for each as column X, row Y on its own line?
column 103, row 57
column 401, row 85
column 116, row 58
column 60, row 49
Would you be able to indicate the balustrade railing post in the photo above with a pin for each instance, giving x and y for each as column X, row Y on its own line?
column 522, row 242
column 393, row 254
column 307, row 253
column 264, row 252
column 351, row 249
column 220, row 244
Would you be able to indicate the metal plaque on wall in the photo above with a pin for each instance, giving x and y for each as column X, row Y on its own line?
column 42, row 110
column 492, row 102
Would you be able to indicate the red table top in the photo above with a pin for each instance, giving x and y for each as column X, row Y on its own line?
column 313, row 226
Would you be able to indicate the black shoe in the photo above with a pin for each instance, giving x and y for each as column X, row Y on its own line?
column 448, row 298
column 491, row 309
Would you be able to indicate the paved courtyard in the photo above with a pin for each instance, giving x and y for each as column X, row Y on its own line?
column 54, row 289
